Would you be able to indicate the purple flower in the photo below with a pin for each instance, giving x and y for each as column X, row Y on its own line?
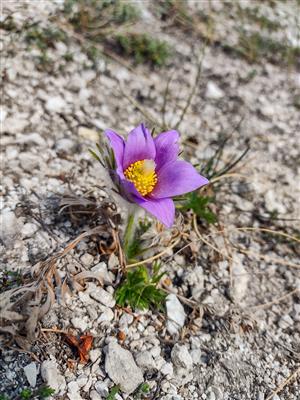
column 148, row 172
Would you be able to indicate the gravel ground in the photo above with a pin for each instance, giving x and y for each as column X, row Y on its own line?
column 237, row 334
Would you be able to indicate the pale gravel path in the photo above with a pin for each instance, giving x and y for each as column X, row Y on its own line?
column 42, row 150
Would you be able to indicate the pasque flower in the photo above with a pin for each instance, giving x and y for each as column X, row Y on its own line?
column 148, row 172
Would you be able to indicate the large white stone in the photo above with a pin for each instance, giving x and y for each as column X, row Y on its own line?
column 175, row 313
column 29, row 230
column 122, row 369
column 30, row 372
column 181, row 357
column 213, row 91
column 56, row 104
column 103, row 297
column 51, row 375
column 10, row 227
column 145, row 361
column 79, row 323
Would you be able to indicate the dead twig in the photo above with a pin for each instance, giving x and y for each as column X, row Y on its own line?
column 275, row 301
column 198, row 233
column 137, row 105
column 284, row 384
column 193, row 91
column 150, row 259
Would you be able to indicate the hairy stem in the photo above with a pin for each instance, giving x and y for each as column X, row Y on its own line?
column 128, row 234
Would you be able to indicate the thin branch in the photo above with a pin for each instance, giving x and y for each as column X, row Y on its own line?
column 275, row 301
column 137, row 105
column 284, row 384
column 150, row 259
column 193, row 91
column 163, row 109
column 251, row 228
column 267, row 258
column 198, row 233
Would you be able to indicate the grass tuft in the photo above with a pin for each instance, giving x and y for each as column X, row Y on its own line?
column 255, row 47
column 144, row 49
column 43, row 38
column 254, row 15
column 89, row 14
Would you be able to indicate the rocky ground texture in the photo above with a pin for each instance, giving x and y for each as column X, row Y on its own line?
column 230, row 329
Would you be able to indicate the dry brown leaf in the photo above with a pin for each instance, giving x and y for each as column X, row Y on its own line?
column 82, row 345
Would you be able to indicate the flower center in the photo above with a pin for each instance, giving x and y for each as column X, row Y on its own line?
column 142, row 175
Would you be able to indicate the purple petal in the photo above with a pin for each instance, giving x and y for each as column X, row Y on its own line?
column 162, row 209
column 177, row 178
column 129, row 191
column 139, row 146
column 167, row 148
column 118, row 144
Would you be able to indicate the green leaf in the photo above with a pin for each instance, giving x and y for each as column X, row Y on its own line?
column 95, row 156
column 26, row 394
column 139, row 290
column 112, row 394
column 199, row 204
column 142, row 391
column 45, row 392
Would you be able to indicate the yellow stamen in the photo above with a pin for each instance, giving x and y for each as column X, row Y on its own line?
column 142, row 175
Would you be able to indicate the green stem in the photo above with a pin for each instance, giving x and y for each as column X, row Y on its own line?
column 129, row 234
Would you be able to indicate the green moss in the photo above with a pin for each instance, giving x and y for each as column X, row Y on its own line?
column 144, row 49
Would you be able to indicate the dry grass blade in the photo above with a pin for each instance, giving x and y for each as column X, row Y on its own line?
column 68, row 29
column 284, row 384
column 225, row 176
column 267, row 258
column 275, row 301
column 198, row 233
column 150, row 259
column 244, row 251
column 193, row 90
column 254, row 229
column 137, row 105
column 21, row 308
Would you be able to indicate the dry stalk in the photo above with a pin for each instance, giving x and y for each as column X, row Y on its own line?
column 275, row 301
column 137, row 105
column 21, row 308
column 225, row 176
column 267, row 258
column 198, row 233
column 284, row 384
column 150, row 259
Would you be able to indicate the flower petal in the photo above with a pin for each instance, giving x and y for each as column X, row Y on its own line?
column 167, row 148
column 177, row 178
column 128, row 190
column 162, row 209
column 139, row 146
column 118, row 144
